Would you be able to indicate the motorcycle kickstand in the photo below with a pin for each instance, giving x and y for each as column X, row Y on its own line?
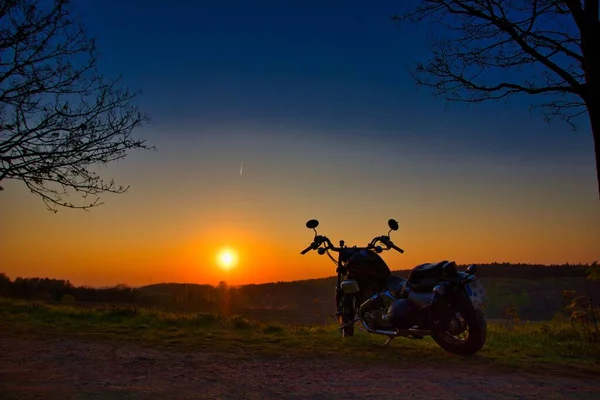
column 387, row 342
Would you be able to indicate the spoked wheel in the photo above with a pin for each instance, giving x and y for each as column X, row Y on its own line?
column 462, row 331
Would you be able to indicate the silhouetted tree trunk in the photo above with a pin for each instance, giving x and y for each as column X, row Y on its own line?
column 588, row 20
column 595, row 123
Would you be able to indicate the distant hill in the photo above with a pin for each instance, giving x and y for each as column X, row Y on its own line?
column 536, row 291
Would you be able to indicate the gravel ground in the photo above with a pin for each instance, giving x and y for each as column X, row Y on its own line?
column 80, row 369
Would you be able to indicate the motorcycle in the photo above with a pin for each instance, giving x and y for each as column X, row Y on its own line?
column 436, row 300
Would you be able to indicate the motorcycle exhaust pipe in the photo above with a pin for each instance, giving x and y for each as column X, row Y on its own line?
column 399, row 332
column 396, row 333
column 377, row 331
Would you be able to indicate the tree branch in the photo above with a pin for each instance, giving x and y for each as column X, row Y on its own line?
column 58, row 116
column 495, row 49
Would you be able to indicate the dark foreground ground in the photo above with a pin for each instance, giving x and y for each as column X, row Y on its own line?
column 79, row 369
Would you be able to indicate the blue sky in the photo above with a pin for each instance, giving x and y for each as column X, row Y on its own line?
column 334, row 66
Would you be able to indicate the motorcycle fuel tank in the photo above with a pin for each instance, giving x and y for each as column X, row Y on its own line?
column 366, row 264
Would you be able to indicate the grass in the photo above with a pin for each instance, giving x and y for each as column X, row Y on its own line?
column 534, row 347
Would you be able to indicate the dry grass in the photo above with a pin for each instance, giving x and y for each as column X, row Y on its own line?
column 535, row 347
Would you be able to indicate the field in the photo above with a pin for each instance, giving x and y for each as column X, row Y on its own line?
column 57, row 351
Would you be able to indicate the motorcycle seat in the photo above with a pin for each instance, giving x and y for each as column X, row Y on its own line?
column 396, row 285
column 424, row 268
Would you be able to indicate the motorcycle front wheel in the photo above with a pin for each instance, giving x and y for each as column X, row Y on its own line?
column 347, row 315
column 463, row 330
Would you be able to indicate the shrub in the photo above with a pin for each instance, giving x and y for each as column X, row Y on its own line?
column 68, row 299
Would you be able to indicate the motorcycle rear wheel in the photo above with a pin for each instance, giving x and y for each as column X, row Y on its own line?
column 474, row 321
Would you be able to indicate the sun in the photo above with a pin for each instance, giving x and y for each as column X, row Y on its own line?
column 226, row 258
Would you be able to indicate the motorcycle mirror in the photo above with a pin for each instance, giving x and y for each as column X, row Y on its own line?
column 393, row 224
column 312, row 223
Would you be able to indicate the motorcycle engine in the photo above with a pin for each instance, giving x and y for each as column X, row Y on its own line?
column 375, row 311
column 377, row 319
column 401, row 314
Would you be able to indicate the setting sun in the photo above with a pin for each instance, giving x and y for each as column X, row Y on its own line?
column 226, row 259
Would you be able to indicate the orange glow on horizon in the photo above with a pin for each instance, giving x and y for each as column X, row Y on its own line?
column 470, row 215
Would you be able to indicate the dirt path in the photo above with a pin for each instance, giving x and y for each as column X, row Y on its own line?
column 78, row 369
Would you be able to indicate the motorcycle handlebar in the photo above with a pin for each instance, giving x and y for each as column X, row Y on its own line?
column 306, row 250
column 393, row 246
column 313, row 246
column 386, row 241
column 323, row 239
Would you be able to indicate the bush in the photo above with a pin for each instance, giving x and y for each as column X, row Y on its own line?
column 68, row 299
column 239, row 322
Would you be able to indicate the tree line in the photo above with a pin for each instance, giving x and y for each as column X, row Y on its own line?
column 503, row 281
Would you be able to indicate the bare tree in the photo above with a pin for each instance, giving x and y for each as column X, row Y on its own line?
column 59, row 118
column 549, row 48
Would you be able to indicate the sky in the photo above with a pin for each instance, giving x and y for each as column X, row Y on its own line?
column 316, row 99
